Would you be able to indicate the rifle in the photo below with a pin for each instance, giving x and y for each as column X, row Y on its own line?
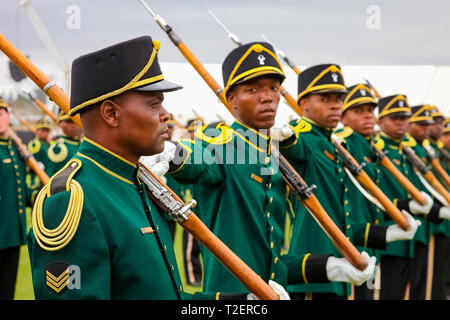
column 436, row 187
column 356, row 170
column 24, row 122
column 41, row 106
column 37, row 76
column 342, row 243
column 431, row 157
column 287, row 96
column 427, row 174
column 171, row 203
column 29, row 159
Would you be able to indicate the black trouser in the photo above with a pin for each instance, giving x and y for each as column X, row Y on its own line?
column 315, row 296
column 418, row 272
column 394, row 277
column 363, row 292
column 440, row 266
column 191, row 256
column 9, row 261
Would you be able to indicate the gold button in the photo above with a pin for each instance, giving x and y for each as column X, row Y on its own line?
column 270, row 185
column 271, row 229
column 346, row 202
column 17, row 174
column 19, row 189
column 73, row 165
column 272, row 275
column 271, row 199
column 16, row 166
column 347, row 213
column 20, row 210
column 18, row 181
column 275, row 260
column 348, row 226
column 377, row 221
column 268, row 215
column 19, row 196
column 271, row 245
column 11, row 153
column 345, row 190
column 267, row 160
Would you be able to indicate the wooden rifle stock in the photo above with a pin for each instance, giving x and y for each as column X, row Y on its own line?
column 341, row 242
column 354, row 256
column 24, row 122
column 428, row 175
column 409, row 187
column 437, row 166
column 225, row 255
column 30, row 160
column 42, row 106
column 365, row 180
column 37, row 76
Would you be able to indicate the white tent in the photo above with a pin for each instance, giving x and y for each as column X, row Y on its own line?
column 421, row 84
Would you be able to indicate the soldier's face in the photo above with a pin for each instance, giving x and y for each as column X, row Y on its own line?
column 70, row 128
column 361, row 119
column 394, row 126
column 436, row 129
column 324, row 108
column 445, row 138
column 42, row 133
column 143, row 122
column 255, row 102
column 419, row 131
column 4, row 121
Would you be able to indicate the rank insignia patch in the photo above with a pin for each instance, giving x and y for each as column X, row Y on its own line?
column 56, row 277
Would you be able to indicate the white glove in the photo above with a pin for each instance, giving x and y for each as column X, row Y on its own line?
column 444, row 213
column 281, row 134
column 278, row 290
column 159, row 163
column 416, row 208
column 341, row 270
column 395, row 233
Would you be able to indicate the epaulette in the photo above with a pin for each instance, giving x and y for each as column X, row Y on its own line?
column 379, row 142
column 344, row 133
column 216, row 134
column 409, row 141
column 34, row 146
column 52, row 240
column 301, row 126
column 58, row 156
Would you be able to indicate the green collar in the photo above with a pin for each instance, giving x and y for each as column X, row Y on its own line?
column 325, row 131
column 71, row 139
column 107, row 160
column 389, row 140
column 256, row 139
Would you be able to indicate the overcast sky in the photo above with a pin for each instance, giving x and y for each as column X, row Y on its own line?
column 347, row 32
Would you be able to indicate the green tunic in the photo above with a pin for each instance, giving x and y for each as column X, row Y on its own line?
column 59, row 153
column 312, row 154
column 395, row 191
column 14, row 196
column 39, row 148
column 242, row 198
column 365, row 213
column 444, row 227
column 122, row 245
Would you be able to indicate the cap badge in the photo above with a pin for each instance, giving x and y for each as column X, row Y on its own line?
column 400, row 103
column 335, row 77
column 363, row 92
column 261, row 59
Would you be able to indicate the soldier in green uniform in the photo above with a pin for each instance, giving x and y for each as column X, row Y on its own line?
column 14, row 197
column 396, row 261
column 441, row 232
column 242, row 191
column 359, row 120
column 65, row 147
column 38, row 147
column 321, row 92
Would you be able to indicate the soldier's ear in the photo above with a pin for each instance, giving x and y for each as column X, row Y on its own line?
column 110, row 113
